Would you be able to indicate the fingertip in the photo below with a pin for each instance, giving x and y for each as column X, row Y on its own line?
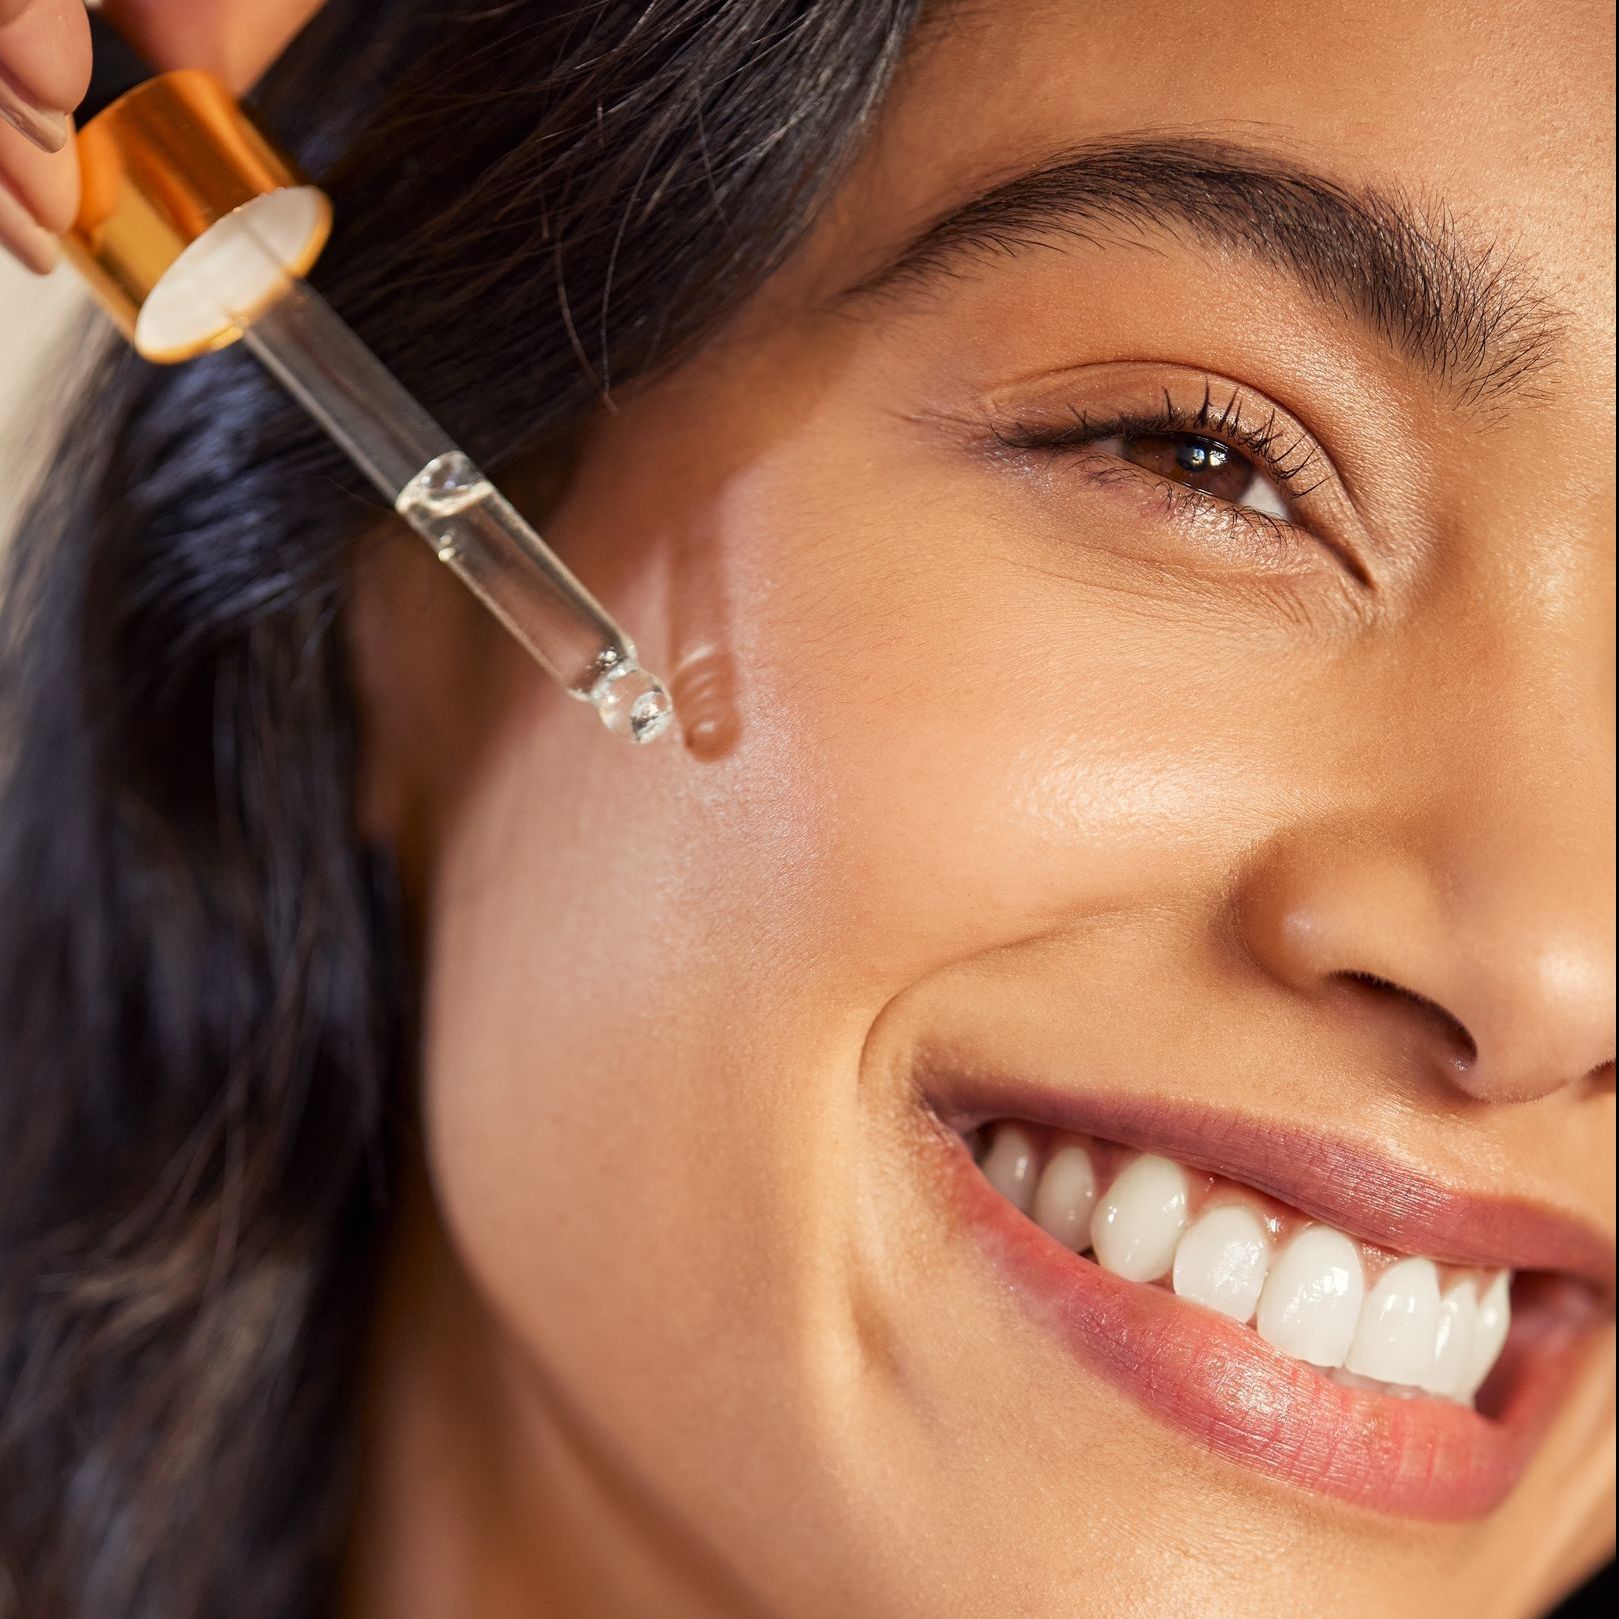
column 45, row 54
column 76, row 54
column 46, row 184
column 39, row 126
column 23, row 236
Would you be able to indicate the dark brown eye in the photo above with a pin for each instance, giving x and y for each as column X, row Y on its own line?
column 1187, row 458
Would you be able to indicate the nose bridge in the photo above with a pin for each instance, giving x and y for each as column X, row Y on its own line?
column 1461, row 893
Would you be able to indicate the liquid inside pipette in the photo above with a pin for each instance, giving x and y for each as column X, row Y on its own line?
column 474, row 530
column 444, row 496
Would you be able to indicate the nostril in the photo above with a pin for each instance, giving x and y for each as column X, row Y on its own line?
column 1459, row 1045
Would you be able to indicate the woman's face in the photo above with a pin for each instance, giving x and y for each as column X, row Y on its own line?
column 1145, row 659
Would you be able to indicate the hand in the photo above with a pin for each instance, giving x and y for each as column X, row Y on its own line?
column 45, row 71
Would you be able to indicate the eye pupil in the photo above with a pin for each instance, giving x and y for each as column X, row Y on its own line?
column 1201, row 455
column 1189, row 458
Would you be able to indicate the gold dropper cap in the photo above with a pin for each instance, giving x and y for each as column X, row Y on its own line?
column 172, row 174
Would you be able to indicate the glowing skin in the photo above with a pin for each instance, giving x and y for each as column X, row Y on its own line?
column 988, row 754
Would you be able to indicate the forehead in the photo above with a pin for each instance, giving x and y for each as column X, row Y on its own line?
column 1500, row 116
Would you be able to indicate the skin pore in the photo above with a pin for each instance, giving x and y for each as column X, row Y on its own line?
column 1009, row 756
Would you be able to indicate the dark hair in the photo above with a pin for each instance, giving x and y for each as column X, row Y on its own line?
column 206, row 1033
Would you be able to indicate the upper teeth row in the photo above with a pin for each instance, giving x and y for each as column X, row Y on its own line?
column 1305, row 1290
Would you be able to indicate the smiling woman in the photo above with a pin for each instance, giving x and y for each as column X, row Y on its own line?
column 1083, row 1081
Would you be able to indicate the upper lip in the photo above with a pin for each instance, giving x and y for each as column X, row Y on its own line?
column 1360, row 1188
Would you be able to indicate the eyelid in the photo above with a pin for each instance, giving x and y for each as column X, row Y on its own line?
column 1250, row 425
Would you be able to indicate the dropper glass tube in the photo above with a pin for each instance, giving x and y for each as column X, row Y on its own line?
column 473, row 529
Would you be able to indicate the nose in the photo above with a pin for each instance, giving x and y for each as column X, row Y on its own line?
column 1492, row 969
column 1452, row 882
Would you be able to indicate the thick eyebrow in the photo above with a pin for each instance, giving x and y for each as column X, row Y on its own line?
column 1463, row 310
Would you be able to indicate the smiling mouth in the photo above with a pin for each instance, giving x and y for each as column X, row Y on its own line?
column 1347, row 1356
column 1399, row 1325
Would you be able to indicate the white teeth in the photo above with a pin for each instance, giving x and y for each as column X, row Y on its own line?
column 1066, row 1196
column 1490, row 1333
column 1138, row 1223
column 1453, row 1348
column 1311, row 1302
column 1399, row 1325
column 1009, row 1165
column 1222, row 1261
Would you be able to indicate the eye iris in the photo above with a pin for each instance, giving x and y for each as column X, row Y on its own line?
column 1200, row 463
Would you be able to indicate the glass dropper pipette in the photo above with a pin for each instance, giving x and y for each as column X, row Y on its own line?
column 437, row 489
column 194, row 231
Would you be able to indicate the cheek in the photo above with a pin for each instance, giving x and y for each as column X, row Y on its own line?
column 982, row 749
column 622, row 1033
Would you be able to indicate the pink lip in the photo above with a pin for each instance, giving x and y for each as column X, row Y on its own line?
column 1226, row 1388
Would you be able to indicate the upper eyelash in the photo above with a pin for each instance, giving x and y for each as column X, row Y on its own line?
column 1288, row 462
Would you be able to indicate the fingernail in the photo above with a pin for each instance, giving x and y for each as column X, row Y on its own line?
column 46, row 128
column 24, row 236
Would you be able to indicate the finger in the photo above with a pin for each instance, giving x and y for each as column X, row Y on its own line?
column 46, row 183
column 22, row 235
column 235, row 39
column 44, row 69
column 46, row 127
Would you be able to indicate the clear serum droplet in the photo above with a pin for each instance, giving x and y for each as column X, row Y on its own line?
column 632, row 703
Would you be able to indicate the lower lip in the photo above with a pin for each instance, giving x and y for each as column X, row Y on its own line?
column 1229, row 1390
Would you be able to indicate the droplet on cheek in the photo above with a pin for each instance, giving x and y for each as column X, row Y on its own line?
column 705, row 692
